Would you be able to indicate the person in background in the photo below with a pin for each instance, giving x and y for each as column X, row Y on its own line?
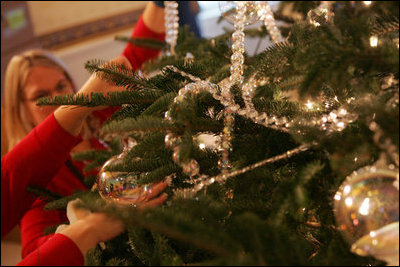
column 34, row 161
column 34, row 75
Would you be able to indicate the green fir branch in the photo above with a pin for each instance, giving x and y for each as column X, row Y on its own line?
column 143, row 42
column 141, row 124
column 98, row 99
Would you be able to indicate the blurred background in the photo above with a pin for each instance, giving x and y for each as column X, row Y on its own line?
column 76, row 31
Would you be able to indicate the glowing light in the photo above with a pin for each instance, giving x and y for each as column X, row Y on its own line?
column 202, row 146
column 342, row 111
column 364, row 208
column 340, row 125
column 367, row 3
column 347, row 189
column 373, row 41
column 333, row 116
column 310, row 104
column 348, row 201
column 372, row 234
column 337, row 197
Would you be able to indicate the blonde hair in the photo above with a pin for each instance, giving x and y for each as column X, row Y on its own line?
column 17, row 124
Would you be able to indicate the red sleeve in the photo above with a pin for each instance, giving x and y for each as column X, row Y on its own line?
column 33, row 161
column 104, row 114
column 58, row 250
column 36, row 220
column 138, row 55
column 33, row 223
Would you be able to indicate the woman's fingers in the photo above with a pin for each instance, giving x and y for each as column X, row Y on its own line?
column 154, row 202
column 156, row 189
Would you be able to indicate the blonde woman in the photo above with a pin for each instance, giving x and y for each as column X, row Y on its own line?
column 29, row 76
column 28, row 164
column 36, row 74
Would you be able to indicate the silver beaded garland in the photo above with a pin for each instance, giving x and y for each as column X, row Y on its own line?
column 171, row 24
column 336, row 120
column 267, row 16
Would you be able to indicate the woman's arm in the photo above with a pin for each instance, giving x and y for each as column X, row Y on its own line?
column 34, row 161
column 153, row 18
column 150, row 25
column 68, row 247
column 41, row 154
column 59, row 250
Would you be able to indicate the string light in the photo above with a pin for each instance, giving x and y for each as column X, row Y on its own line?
column 396, row 41
column 310, row 105
column 373, row 41
column 367, row 3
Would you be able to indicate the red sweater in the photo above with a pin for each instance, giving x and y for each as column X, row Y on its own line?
column 22, row 167
column 65, row 182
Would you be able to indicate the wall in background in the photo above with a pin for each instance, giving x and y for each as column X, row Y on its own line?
column 52, row 16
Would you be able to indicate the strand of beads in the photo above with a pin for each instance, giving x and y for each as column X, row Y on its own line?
column 392, row 84
column 189, row 166
column 384, row 143
column 204, row 181
column 336, row 120
column 184, row 74
column 250, row 111
column 238, row 49
column 267, row 16
column 237, row 60
column 171, row 24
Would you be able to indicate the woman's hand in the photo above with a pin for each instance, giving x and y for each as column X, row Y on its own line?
column 97, row 85
column 150, row 198
column 71, row 118
column 87, row 229
column 96, row 227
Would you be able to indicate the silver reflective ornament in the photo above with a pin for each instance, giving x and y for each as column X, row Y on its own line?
column 367, row 212
column 120, row 187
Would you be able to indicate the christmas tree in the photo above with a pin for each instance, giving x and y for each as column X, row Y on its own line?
column 276, row 158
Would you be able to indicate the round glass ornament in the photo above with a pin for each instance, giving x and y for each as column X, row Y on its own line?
column 120, row 187
column 228, row 11
column 367, row 212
